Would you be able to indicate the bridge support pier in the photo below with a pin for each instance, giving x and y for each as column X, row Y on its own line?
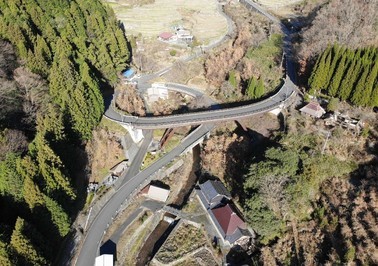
column 136, row 134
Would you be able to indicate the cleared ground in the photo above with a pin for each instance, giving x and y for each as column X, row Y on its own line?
column 199, row 16
column 187, row 238
column 276, row 4
column 282, row 8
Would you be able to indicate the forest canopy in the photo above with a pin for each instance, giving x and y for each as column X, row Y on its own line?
column 55, row 58
column 347, row 74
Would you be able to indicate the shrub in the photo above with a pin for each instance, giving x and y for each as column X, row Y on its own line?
column 333, row 104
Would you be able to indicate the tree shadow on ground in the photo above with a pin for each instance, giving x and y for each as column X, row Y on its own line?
column 238, row 157
column 237, row 256
column 191, row 181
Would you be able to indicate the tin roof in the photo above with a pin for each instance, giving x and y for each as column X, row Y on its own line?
column 165, row 35
column 213, row 188
column 228, row 219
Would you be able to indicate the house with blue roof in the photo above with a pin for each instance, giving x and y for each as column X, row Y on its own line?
column 129, row 73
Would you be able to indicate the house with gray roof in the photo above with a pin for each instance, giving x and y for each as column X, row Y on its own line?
column 224, row 216
column 214, row 193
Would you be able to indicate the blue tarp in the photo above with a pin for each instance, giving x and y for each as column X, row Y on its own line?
column 128, row 73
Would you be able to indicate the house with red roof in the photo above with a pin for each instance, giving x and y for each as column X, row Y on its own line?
column 166, row 36
column 225, row 217
column 229, row 224
column 313, row 109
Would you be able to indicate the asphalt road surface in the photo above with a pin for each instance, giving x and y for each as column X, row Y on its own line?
column 96, row 230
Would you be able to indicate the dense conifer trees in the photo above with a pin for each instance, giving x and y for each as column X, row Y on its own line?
column 348, row 74
column 78, row 47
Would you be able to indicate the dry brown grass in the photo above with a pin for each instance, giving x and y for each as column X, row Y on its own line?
column 151, row 19
column 186, row 239
column 104, row 151
column 129, row 100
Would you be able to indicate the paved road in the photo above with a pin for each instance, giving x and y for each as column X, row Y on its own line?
column 95, row 232
column 210, row 116
column 147, row 204
column 117, row 234
column 138, row 159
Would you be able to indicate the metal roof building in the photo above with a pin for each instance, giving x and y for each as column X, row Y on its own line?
column 156, row 193
column 313, row 109
column 227, row 221
column 128, row 73
column 214, row 192
column 104, row 260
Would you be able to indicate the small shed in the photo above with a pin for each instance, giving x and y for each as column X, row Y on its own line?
column 313, row 109
column 156, row 193
column 104, row 260
column 128, row 74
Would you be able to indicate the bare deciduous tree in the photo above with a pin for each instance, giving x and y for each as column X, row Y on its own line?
column 12, row 140
column 348, row 22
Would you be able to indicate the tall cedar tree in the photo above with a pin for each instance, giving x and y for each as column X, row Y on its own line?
column 351, row 74
column 78, row 46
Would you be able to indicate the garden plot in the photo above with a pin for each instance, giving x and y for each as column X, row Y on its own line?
column 187, row 238
column 201, row 17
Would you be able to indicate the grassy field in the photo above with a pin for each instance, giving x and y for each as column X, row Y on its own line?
column 199, row 16
column 112, row 126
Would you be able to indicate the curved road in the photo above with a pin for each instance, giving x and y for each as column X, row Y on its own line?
column 197, row 118
column 209, row 116
column 96, row 230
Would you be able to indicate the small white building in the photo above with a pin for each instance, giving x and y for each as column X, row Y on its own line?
column 156, row 92
column 104, row 260
column 184, row 35
column 156, row 193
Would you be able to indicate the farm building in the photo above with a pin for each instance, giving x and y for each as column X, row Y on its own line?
column 128, row 74
column 313, row 109
column 180, row 35
column 166, row 36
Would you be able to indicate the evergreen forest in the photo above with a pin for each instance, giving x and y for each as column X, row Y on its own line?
column 56, row 58
column 347, row 74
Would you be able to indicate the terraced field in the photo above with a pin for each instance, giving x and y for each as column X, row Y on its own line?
column 199, row 16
